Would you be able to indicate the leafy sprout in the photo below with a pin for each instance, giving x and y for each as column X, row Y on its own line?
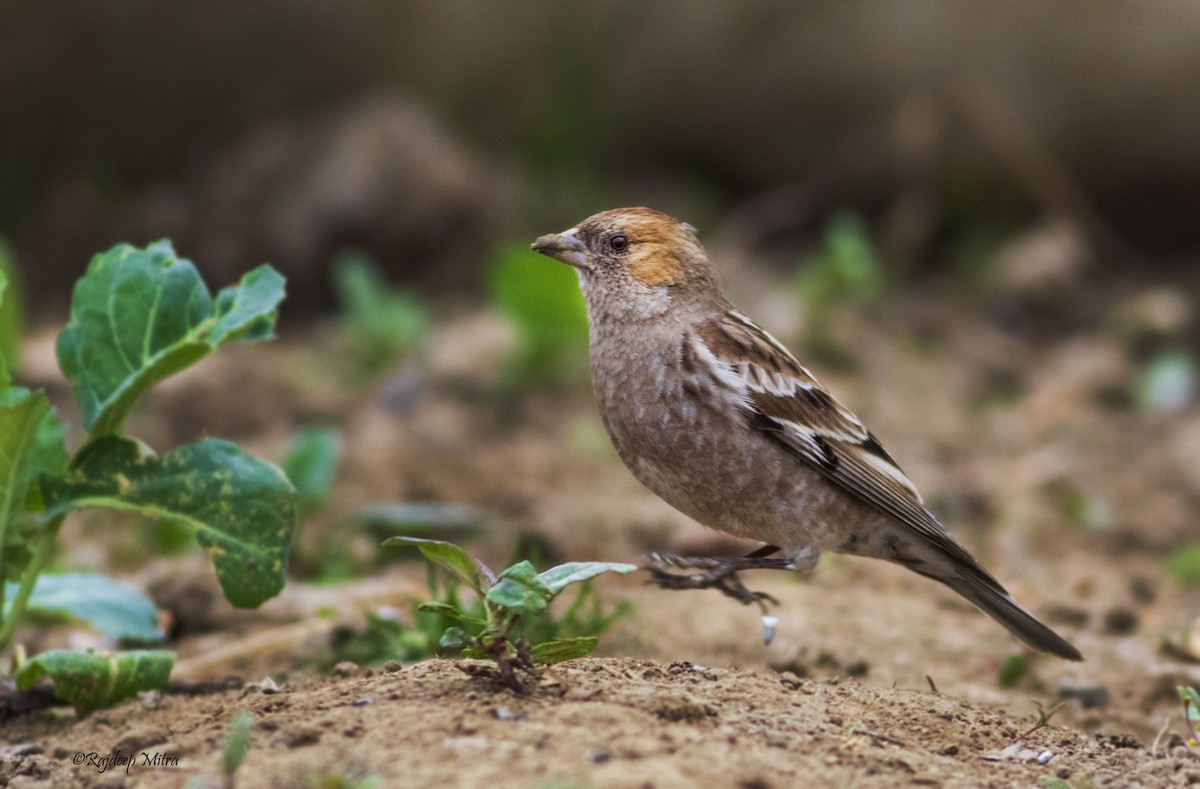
column 380, row 324
column 511, row 600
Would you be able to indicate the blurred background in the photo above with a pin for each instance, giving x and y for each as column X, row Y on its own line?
column 979, row 222
column 427, row 133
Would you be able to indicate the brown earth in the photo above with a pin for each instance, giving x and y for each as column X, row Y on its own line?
column 595, row 722
column 1012, row 431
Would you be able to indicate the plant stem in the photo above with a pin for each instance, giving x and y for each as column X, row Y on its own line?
column 41, row 554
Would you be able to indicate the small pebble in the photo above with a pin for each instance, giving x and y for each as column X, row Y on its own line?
column 597, row 755
column 345, row 669
column 505, row 714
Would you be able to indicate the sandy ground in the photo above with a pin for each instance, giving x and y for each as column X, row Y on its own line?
column 684, row 693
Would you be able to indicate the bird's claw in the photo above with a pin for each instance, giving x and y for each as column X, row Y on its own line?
column 716, row 572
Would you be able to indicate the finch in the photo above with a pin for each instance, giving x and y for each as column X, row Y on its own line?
column 716, row 417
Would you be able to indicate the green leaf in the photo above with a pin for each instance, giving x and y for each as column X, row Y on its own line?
column 563, row 649
column 242, row 510
column 89, row 681
column 237, row 743
column 558, row 578
column 454, row 638
column 113, row 608
column 10, row 315
column 1190, row 697
column 5, row 353
column 519, row 590
column 21, row 457
column 380, row 323
column 1184, row 565
column 447, row 610
column 139, row 315
column 1013, row 669
column 444, row 554
column 311, row 464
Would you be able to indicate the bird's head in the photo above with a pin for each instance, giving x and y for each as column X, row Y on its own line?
column 634, row 263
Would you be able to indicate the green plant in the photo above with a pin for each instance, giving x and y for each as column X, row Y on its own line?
column 1184, row 565
column 11, row 309
column 543, row 301
column 137, row 317
column 513, row 602
column 236, row 745
column 310, row 465
column 1191, row 713
column 1041, row 718
column 1013, row 670
column 380, row 324
column 844, row 271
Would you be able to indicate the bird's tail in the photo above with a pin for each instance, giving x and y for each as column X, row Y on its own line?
column 973, row 582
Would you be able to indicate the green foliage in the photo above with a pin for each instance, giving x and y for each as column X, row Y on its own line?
column 387, row 637
column 1190, row 699
column 1184, row 565
column 140, row 315
column 242, row 510
column 844, row 271
column 310, row 465
column 137, row 316
column 89, row 681
column 543, row 301
column 11, row 312
column 1013, row 670
column 112, row 608
column 380, row 324
column 518, row 596
column 236, row 744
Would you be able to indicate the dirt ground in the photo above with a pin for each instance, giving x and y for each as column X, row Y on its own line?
column 876, row 678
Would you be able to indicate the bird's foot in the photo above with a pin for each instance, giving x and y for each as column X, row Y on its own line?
column 715, row 572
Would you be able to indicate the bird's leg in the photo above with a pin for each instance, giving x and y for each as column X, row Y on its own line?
column 717, row 572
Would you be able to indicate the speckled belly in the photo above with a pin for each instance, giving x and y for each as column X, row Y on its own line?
column 705, row 461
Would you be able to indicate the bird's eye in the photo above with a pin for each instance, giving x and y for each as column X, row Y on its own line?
column 618, row 243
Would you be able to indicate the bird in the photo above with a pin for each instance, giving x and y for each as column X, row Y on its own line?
column 717, row 417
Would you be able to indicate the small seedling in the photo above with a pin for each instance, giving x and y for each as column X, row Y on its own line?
column 513, row 600
column 380, row 324
column 1013, row 670
column 236, row 746
column 1041, row 718
column 844, row 271
column 1191, row 713
column 1184, row 565
column 310, row 465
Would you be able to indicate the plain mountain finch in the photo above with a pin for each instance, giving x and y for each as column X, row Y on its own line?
column 715, row 416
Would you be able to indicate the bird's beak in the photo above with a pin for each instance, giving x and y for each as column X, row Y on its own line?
column 564, row 247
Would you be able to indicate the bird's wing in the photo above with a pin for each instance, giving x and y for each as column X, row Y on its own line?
column 782, row 398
